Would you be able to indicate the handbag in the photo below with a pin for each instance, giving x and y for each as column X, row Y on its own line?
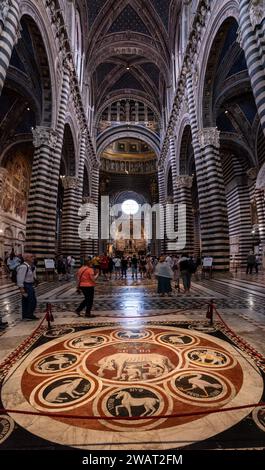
column 78, row 289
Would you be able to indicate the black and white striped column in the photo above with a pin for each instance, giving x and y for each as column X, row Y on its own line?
column 213, row 206
column 260, row 201
column 95, row 196
column 8, row 36
column 162, row 202
column 174, row 176
column 70, row 244
column 183, row 184
column 211, row 194
column 87, row 245
column 40, row 232
column 254, row 58
column 41, row 221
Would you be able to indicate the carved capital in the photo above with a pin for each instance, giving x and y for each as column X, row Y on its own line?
column 239, row 38
column 184, row 181
column 71, row 182
column 252, row 173
column 209, row 136
column 88, row 200
column 4, row 9
column 261, row 178
column 257, row 12
column 44, row 136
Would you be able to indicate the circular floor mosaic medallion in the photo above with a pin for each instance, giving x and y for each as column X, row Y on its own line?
column 131, row 381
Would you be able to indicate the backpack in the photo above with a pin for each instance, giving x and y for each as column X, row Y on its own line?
column 192, row 266
column 14, row 273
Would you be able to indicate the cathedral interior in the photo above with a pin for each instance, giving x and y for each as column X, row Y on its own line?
column 133, row 103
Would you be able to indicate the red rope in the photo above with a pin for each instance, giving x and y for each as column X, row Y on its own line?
column 132, row 418
column 239, row 339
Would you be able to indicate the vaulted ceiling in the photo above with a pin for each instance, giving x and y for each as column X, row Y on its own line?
column 128, row 48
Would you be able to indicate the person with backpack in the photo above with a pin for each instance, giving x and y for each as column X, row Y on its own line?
column 26, row 278
column 13, row 262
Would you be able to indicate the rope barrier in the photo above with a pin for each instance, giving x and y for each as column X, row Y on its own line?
column 209, row 315
column 132, row 418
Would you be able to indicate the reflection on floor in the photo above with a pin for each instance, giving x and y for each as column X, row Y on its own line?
column 151, row 368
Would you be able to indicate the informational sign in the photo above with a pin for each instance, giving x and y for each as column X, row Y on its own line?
column 49, row 264
column 207, row 262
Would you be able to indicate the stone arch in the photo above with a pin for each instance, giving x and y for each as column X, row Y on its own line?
column 208, row 118
column 38, row 15
column 133, row 132
column 229, row 10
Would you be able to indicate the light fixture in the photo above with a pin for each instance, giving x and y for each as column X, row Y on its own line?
column 226, row 112
column 28, row 109
column 130, row 207
column 127, row 67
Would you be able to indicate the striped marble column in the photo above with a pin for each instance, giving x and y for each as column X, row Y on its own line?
column 213, row 206
column 183, row 184
column 254, row 57
column 257, row 17
column 162, row 202
column 70, row 244
column 10, row 17
column 87, row 246
column 95, row 197
column 174, row 176
column 42, row 200
column 41, row 221
column 260, row 201
column 213, row 214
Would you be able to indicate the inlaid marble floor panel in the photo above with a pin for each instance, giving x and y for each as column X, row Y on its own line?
column 132, row 385
column 140, row 356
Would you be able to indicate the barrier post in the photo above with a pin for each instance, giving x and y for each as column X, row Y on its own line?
column 210, row 310
column 49, row 315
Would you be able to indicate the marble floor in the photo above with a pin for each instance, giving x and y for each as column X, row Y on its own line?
column 145, row 372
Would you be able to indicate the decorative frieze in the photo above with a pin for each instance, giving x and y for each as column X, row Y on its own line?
column 209, row 136
column 71, row 182
column 44, row 136
column 184, row 181
column 252, row 173
column 260, row 184
column 4, row 9
column 88, row 200
column 257, row 12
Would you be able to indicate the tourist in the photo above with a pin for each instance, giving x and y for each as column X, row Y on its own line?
column 186, row 267
column 86, row 281
column 164, row 274
column 251, row 261
column 26, row 278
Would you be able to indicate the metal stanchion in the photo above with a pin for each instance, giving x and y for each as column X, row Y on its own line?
column 210, row 310
column 49, row 315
